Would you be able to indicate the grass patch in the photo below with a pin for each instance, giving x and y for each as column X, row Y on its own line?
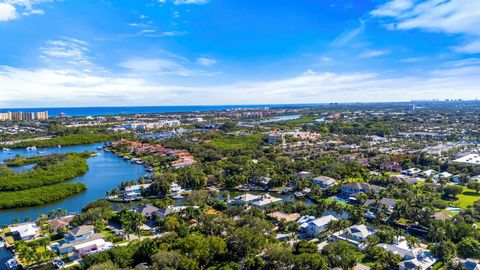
column 467, row 198
column 237, row 142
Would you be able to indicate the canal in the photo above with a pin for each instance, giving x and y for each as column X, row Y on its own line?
column 105, row 172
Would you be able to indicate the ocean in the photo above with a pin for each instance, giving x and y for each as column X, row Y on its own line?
column 94, row 111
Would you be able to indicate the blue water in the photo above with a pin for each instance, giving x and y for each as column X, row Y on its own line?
column 5, row 255
column 83, row 111
column 273, row 119
column 105, row 172
column 24, row 168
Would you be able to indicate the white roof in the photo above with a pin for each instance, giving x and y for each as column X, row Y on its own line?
column 469, row 159
column 247, row 197
column 98, row 243
column 323, row 221
column 25, row 230
column 360, row 231
column 266, row 201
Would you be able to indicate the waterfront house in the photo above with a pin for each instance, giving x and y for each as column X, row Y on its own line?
column 25, row 231
column 134, row 192
column 312, row 226
column 246, row 198
column 352, row 188
column 265, row 201
column 324, row 181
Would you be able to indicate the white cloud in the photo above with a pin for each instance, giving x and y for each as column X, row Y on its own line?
column 374, row 53
column 206, row 61
column 7, row 12
column 393, row 8
column 14, row 9
column 162, row 66
column 66, row 51
column 73, row 87
column 451, row 17
column 185, row 2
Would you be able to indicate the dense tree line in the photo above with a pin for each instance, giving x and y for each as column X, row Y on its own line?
column 49, row 170
column 39, row 196
column 71, row 139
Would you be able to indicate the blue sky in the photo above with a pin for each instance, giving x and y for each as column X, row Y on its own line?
column 201, row 52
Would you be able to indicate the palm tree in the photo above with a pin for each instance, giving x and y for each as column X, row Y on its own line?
column 436, row 233
column 131, row 222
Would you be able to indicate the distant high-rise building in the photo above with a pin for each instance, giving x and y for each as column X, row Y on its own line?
column 28, row 115
column 5, row 116
column 17, row 116
column 42, row 115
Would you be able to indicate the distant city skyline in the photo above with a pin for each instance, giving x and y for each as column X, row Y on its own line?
column 209, row 52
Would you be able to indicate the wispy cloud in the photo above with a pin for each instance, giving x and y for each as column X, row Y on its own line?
column 348, row 35
column 451, row 17
column 206, row 61
column 374, row 53
column 66, row 51
column 186, row 2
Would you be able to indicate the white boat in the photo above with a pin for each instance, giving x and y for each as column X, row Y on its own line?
column 59, row 146
column 11, row 264
column 5, row 149
column 33, row 148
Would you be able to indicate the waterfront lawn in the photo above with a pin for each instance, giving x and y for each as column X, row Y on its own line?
column 237, row 142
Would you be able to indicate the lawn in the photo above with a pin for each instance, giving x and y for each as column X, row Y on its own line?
column 237, row 142
column 467, row 198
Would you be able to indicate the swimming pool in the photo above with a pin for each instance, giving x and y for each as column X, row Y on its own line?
column 454, row 209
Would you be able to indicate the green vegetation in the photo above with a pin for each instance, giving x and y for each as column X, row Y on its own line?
column 70, row 139
column 51, row 169
column 467, row 198
column 237, row 142
column 39, row 196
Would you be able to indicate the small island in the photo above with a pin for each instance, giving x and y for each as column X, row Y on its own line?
column 45, row 183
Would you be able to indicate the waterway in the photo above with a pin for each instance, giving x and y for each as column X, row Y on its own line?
column 105, row 172
column 272, row 120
